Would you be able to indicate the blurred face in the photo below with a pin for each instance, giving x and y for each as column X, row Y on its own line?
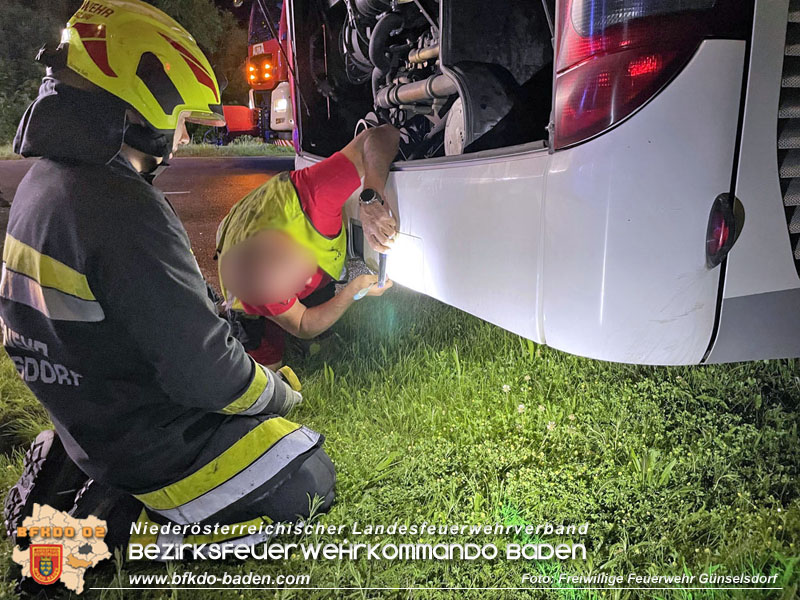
column 268, row 267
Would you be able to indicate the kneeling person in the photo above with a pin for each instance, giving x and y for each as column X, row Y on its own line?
column 99, row 281
column 282, row 246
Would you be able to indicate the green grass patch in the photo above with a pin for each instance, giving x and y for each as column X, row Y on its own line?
column 433, row 415
column 7, row 152
column 246, row 148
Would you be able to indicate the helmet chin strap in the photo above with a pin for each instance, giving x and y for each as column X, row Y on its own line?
column 150, row 176
column 151, row 142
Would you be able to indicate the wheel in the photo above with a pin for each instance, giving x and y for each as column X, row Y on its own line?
column 213, row 137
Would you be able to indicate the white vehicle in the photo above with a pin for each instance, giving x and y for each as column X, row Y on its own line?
column 625, row 191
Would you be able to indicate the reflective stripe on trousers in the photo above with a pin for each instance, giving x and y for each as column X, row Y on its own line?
column 252, row 461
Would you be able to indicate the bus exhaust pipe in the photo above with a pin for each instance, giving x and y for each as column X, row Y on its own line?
column 437, row 86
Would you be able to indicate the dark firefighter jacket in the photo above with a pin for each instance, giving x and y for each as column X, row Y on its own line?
column 106, row 318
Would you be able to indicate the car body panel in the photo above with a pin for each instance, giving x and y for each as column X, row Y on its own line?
column 759, row 314
column 598, row 249
column 761, row 260
column 625, row 222
column 469, row 236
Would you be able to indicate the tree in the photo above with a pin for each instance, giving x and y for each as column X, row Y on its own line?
column 229, row 60
column 219, row 35
column 24, row 28
column 200, row 17
column 25, row 25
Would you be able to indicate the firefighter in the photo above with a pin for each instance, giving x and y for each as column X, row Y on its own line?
column 282, row 247
column 104, row 309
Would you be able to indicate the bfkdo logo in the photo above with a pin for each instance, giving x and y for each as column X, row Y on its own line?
column 59, row 548
column 46, row 562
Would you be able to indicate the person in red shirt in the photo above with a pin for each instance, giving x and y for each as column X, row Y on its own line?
column 282, row 246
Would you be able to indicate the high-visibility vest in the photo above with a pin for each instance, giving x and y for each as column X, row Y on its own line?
column 275, row 205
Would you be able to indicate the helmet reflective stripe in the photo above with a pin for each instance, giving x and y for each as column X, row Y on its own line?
column 136, row 52
column 200, row 72
column 94, row 40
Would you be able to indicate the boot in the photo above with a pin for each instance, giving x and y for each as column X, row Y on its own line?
column 49, row 477
column 118, row 509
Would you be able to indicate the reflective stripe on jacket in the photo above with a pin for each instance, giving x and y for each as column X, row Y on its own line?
column 105, row 315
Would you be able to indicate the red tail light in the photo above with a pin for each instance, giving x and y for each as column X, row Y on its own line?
column 612, row 56
column 722, row 230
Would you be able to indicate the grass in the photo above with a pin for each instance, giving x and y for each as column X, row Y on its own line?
column 675, row 469
column 246, row 148
column 7, row 152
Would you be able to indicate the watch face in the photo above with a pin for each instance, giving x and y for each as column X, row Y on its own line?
column 369, row 195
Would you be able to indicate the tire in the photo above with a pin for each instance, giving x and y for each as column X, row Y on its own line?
column 212, row 137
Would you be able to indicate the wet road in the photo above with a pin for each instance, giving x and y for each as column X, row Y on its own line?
column 201, row 190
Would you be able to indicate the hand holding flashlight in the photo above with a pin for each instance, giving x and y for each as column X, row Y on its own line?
column 367, row 285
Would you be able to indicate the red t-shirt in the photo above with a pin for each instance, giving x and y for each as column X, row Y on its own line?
column 323, row 189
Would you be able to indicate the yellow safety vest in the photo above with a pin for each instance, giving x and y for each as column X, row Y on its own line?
column 275, row 205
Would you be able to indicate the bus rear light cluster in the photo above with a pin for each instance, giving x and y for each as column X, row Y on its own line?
column 614, row 56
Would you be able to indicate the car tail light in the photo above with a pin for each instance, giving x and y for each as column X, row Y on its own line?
column 612, row 56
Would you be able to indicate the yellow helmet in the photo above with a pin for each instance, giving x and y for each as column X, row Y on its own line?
column 144, row 57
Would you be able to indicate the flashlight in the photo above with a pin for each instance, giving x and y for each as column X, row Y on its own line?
column 381, row 269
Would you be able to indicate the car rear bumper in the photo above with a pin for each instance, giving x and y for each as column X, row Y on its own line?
column 597, row 250
column 625, row 218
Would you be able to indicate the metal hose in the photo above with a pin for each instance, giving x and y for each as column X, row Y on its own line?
column 380, row 40
column 437, row 86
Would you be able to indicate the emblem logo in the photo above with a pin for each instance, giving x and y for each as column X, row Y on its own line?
column 46, row 562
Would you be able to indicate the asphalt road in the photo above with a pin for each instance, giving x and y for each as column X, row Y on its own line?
column 201, row 190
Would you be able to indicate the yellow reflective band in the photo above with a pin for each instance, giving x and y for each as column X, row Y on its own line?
column 251, row 394
column 53, row 304
column 236, row 458
column 45, row 270
column 240, row 529
column 259, row 472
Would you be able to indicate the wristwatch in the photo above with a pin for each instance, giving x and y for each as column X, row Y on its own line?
column 370, row 196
